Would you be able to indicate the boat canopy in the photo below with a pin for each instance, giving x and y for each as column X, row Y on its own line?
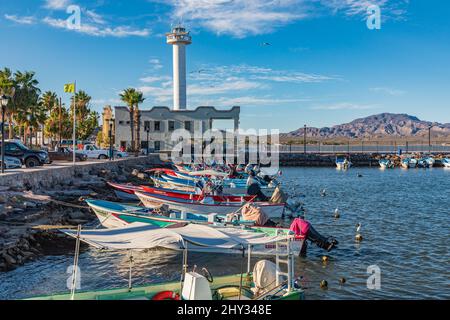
column 144, row 236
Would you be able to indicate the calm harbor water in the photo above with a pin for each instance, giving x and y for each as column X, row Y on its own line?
column 405, row 217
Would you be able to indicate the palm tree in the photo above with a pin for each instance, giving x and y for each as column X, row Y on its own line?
column 132, row 98
column 82, row 107
column 26, row 99
column 7, row 87
column 48, row 103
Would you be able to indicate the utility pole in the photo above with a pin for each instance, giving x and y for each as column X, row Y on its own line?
column 304, row 140
column 60, row 124
column 429, row 138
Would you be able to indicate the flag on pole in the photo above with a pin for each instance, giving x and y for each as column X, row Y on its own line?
column 69, row 88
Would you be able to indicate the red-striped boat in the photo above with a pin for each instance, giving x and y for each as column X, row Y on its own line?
column 127, row 192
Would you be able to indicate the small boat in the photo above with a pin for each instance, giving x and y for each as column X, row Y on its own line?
column 197, row 197
column 272, row 210
column 229, row 186
column 266, row 282
column 446, row 162
column 408, row 163
column 386, row 164
column 427, row 162
column 343, row 163
column 114, row 215
column 125, row 191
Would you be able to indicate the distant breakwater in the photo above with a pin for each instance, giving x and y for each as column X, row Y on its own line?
column 328, row 160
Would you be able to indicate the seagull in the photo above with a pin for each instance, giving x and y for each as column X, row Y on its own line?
column 358, row 227
column 336, row 213
column 323, row 193
column 265, row 44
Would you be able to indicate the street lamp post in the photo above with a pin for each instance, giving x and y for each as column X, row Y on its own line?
column 111, row 151
column 147, row 129
column 4, row 102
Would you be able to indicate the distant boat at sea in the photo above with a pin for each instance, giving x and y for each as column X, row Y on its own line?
column 409, row 163
column 342, row 163
column 386, row 164
column 446, row 162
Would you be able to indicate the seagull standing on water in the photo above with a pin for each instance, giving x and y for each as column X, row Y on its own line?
column 323, row 193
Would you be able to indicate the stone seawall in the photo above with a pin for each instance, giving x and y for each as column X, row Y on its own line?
column 324, row 160
column 35, row 203
column 49, row 177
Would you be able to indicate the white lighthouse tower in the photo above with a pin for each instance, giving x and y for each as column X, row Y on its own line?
column 179, row 38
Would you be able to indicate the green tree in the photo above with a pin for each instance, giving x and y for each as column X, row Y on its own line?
column 133, row 98
column 26, row 101
column 86, row 119
column 7, row 87
column 52, row 124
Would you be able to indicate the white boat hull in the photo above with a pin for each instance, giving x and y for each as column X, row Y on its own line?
column 260, row 250
column 108, row 220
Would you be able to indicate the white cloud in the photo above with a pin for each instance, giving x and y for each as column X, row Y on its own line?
column 151, row 79
column 95, row 17
column 389, row 91
column 155, row 64
column 207, row 73
column 344, row 106
column 239, row 18
column 20, row 20
column 57, row 4
column 389, row 8
column 255, row 17
column 255, row 101
column 94, row 30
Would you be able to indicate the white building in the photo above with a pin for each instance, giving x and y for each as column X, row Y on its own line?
column 162, row 121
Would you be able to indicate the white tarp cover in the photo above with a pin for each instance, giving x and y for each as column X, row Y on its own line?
column 144, row 236
column 212, row 173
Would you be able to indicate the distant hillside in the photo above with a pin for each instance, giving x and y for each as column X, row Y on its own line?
column 376, row 126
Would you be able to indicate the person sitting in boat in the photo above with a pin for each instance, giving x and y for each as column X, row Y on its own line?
column 301, row 227
column 254, row 187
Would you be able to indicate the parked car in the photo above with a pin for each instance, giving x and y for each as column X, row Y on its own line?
column 120, row 154
column 29, row 157
column 66, row 154
column 12, row 163
column 93, row 152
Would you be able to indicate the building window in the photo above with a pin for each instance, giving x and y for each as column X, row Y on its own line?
column 157, row 125
column 157, row 145
column 128, row 122
column 187, row 125
column 171, row 125
column 121, row 123
column 146, row 125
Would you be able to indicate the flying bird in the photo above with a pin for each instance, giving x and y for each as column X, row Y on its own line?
column 266, row 44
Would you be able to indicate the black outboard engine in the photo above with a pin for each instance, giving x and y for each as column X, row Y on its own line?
column 255, row 190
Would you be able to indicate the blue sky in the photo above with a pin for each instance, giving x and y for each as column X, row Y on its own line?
column 323, row 65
